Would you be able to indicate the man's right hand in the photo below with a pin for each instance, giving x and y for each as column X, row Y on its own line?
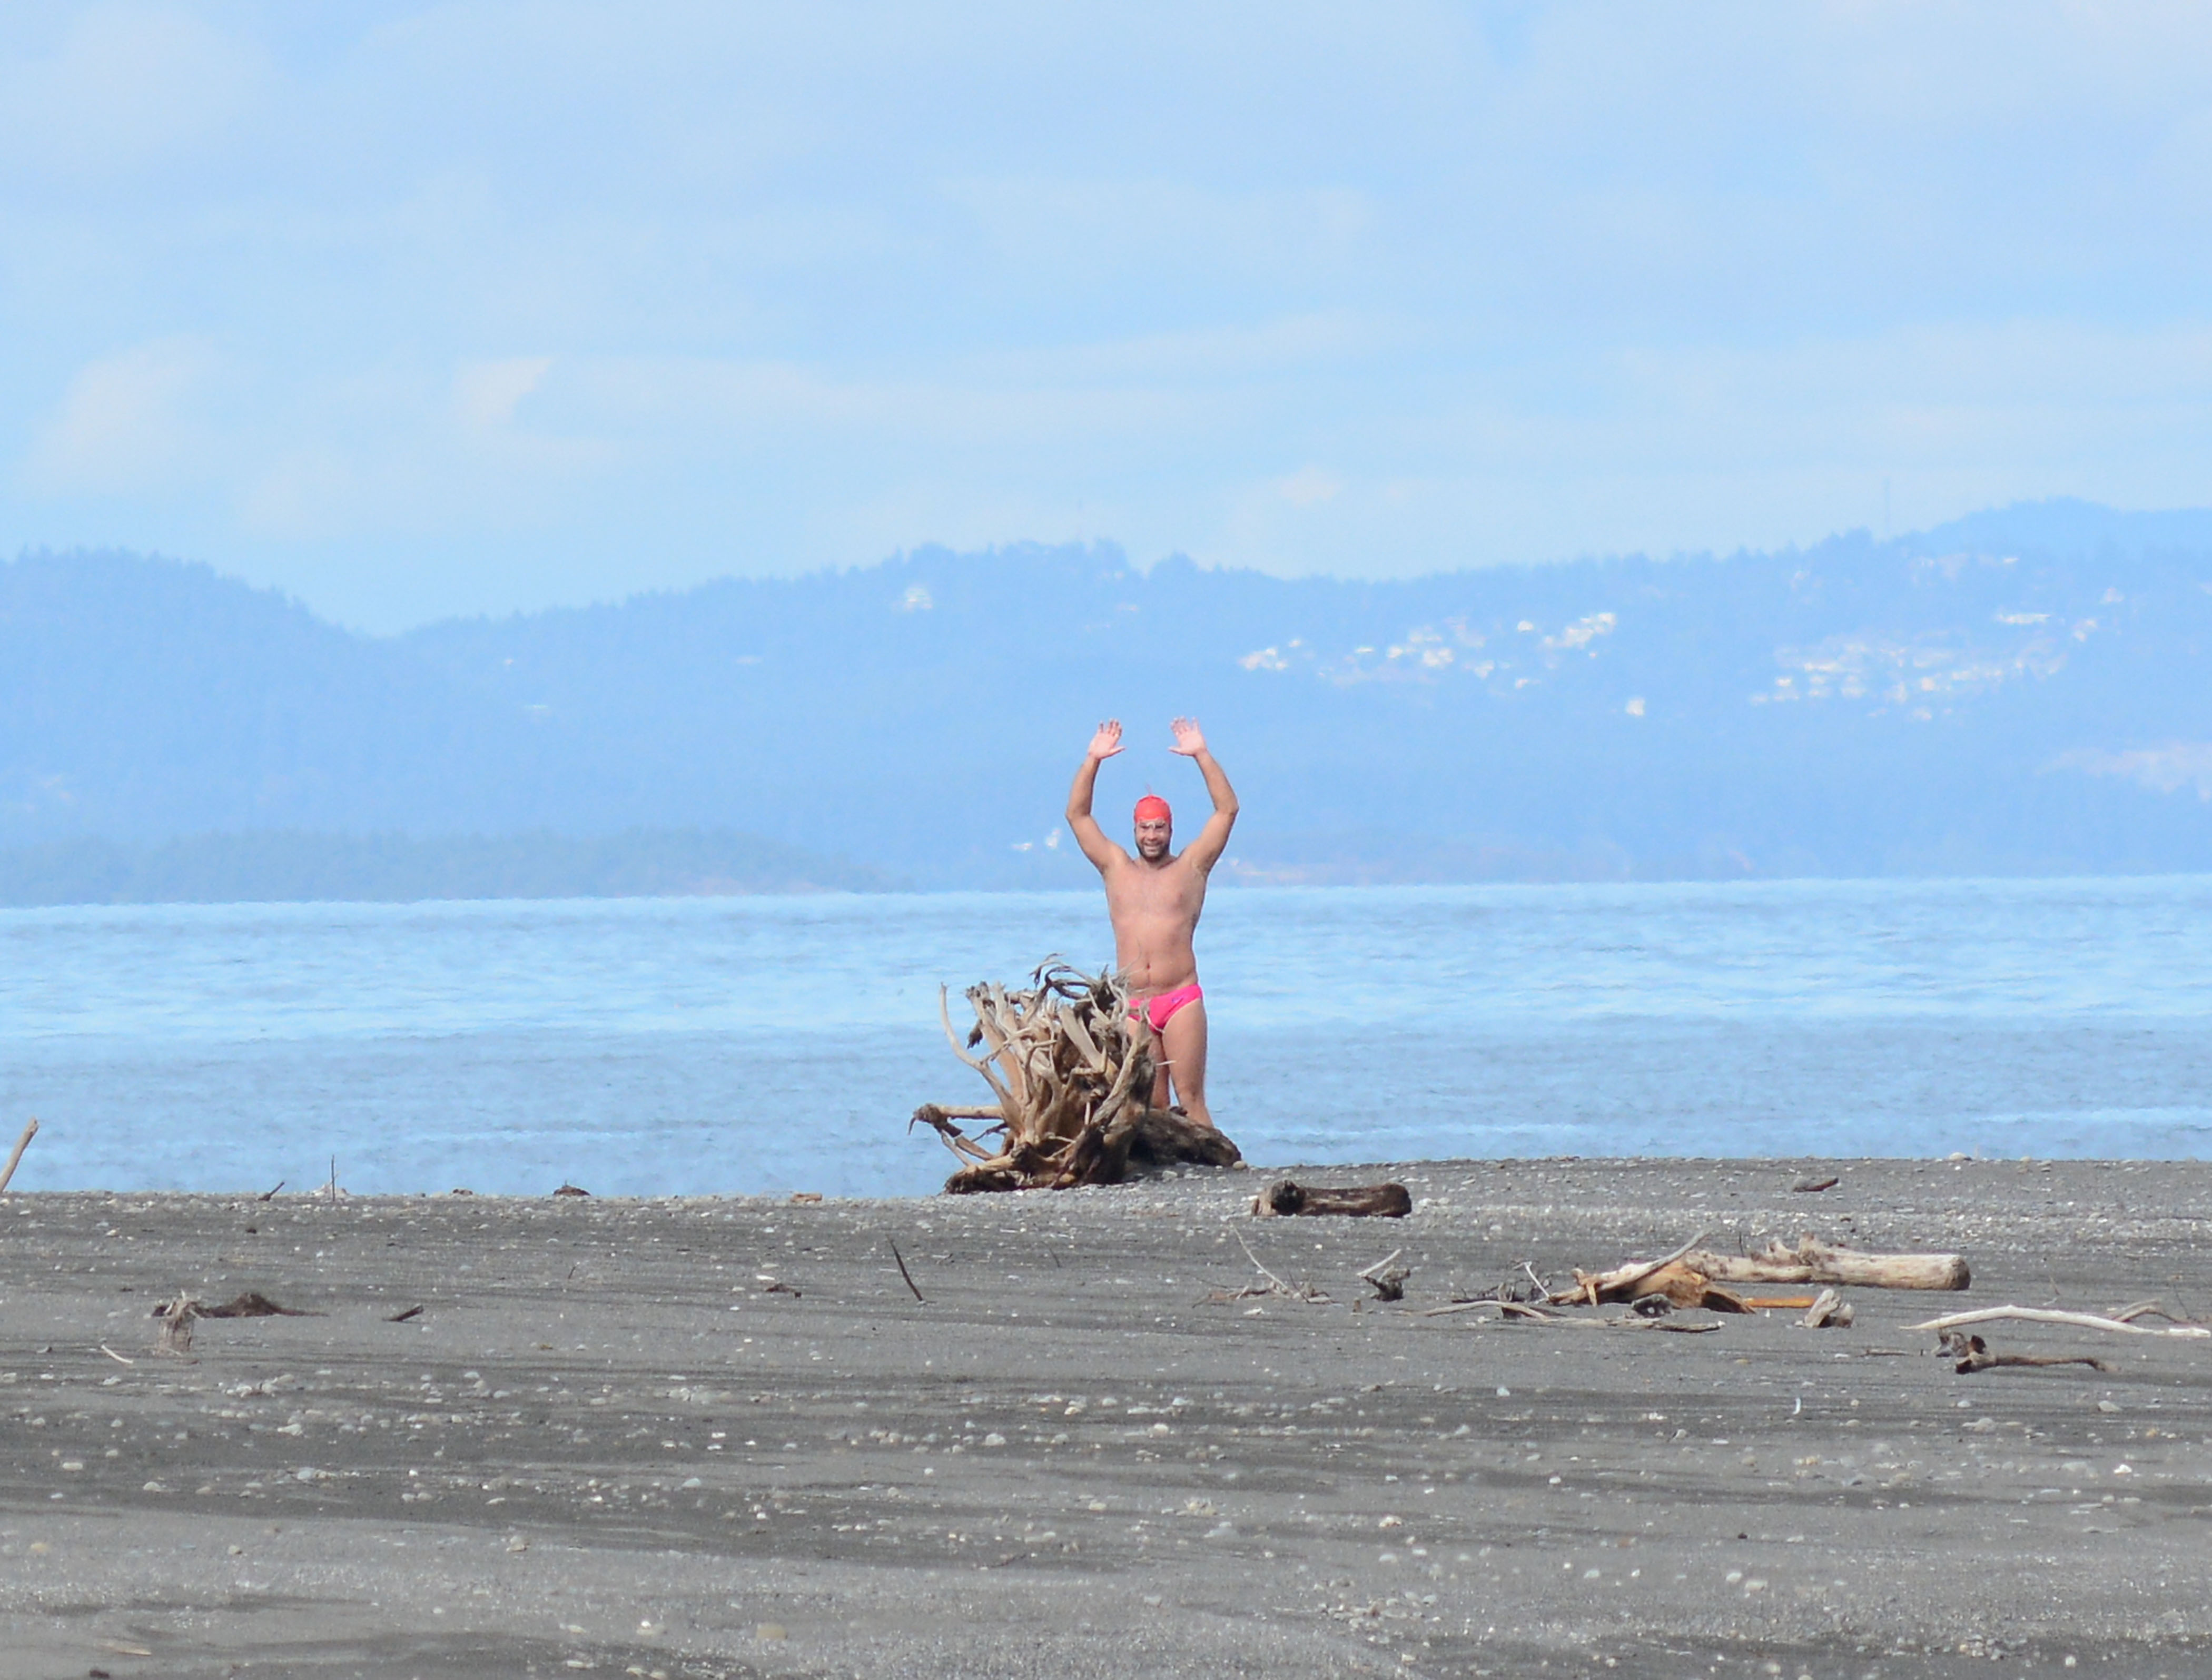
column 1108, row 741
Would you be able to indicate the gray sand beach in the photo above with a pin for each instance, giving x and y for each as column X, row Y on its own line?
column 722, row 1437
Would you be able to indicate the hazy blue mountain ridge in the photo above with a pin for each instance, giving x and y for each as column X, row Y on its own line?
column 280, row 865
column 2024, row 690
column 145, row 698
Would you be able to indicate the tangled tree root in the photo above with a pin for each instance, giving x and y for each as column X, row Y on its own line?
column 1073, row 1088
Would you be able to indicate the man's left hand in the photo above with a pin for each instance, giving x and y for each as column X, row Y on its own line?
column 1190, row 739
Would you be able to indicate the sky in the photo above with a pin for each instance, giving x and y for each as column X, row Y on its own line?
column 422, row 309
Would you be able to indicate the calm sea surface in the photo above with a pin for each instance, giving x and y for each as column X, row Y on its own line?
column 682, row 1046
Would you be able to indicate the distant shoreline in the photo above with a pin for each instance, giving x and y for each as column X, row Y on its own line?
column 29, row 882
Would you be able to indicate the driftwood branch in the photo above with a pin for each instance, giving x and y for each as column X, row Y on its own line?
column 1523, row 1312
column 1973, row 1354
column 2051, row 1315
column 252, row 1304
column 2145, row 1309
column 1621, row 1283
column 1274, row 1286
column 1829, row 1310
column 1387, row 1277
column 904, row 1273
column 1366, row 1201
column 17, row 1154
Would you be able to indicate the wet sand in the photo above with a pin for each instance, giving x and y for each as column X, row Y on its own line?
column 722, row 1438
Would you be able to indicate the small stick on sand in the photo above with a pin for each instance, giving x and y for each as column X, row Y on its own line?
column 269, row 1194
column 1275, row 1285
column 2045, row 1315
column 1254, row 1260
column 1510, row 1309
column 22, row 1144
column 904, row 1273
column 1461, row 1307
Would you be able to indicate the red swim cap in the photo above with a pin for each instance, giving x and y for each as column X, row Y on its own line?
column 1153, row 808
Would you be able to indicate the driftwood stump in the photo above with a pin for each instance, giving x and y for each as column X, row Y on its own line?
column 1073, row 1086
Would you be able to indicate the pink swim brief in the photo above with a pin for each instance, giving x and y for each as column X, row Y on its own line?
column 1159, row 1011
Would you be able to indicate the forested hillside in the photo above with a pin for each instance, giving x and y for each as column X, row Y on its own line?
column 2023, row 691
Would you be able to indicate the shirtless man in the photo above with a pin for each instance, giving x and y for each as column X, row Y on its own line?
column 1154, row 899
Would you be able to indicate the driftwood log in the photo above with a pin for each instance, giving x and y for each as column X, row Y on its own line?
column 1072, row 1084
column 1694, row 1277
column 1361, row 1201
column 1815, row 1262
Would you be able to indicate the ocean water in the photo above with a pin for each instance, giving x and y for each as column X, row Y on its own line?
column 687, row 1047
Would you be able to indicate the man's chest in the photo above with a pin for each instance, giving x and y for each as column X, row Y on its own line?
column 1170, row 893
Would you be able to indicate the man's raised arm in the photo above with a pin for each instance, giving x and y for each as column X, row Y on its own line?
column 1204, row 852
column 1084, row 826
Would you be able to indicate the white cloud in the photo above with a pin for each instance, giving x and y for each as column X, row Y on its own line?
column 1310, row 486
column 485, row 393
column 1051, row 224
column 123, row 428
column 801, row 289
column 89, row 91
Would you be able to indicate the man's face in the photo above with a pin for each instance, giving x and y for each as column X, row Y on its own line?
column 1152, row 833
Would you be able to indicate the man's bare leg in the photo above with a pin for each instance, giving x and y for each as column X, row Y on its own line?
column 1160, row 1094
column 1183, row 1043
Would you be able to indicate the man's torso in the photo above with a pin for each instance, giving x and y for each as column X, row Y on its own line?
column 1155, row 910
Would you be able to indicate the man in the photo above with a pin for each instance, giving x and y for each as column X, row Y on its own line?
column 1154, row 899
